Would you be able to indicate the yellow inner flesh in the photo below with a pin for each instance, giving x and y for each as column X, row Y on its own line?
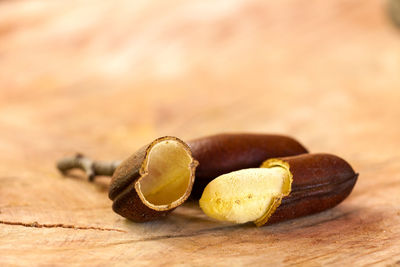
column 245, row 195
column 169, row 173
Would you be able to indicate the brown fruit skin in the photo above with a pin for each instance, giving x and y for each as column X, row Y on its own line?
column 224, row 153
column 320, row 182
column 127, row 172
column 126, row 201
column 130, row 206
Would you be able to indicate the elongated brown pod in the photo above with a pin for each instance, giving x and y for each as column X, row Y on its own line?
column 153, row 181
column 320, row 182
column 282, row 189
column 224, row 153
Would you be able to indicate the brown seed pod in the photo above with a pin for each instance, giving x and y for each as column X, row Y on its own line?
column 153, row 181
column 282, row 189
column 224, row 153
column 320, row 182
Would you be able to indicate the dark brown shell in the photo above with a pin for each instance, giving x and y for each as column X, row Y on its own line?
column 320, row 182
column 126, row 200
column 224, row 153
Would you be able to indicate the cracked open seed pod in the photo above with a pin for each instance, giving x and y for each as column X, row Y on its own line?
column 153, row 181
column 282, row 189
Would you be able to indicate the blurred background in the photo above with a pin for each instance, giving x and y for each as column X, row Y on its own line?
column 108, row 76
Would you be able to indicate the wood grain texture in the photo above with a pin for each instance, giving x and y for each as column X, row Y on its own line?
column 105, row 78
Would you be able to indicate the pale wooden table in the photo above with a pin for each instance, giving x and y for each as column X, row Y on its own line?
column 105, row 77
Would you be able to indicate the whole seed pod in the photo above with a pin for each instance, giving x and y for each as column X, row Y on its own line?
column 224, row 153
column 282, row 189
column 153, row 181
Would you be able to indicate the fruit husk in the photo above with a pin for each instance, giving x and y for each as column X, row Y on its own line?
column 123, row 190
column 320, row 182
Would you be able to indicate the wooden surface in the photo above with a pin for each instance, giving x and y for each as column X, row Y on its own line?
column 106, row 77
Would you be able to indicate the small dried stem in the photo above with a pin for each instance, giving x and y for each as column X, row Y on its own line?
column 90, row 167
